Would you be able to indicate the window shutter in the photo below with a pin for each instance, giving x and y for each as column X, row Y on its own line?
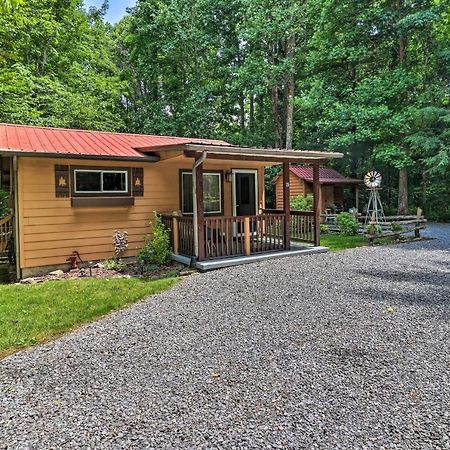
column 138, row 181
column 62, row 181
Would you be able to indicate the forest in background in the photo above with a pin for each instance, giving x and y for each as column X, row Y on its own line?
column 369, row 78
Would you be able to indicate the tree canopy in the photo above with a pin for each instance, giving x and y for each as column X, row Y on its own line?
column 367, row 78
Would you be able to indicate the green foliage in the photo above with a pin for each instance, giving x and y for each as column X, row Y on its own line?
column 57, row 67
column 302, row 202
column 324, row 228
column 39, row 312
column 4, row 208
column 221, row 69
column 347, row 223
column 118, row 265
column 372, row 228
column 396, row 227
column 156, row 250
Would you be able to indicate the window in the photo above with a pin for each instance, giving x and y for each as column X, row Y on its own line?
column 89, row 181
column 212, row 192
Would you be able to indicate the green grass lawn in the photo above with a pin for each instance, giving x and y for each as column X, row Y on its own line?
column 337, row 242
column 30, row 314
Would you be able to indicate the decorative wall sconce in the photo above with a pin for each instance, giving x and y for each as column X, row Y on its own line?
column 228, row 176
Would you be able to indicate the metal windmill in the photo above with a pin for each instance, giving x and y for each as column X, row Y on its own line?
column 375, row 214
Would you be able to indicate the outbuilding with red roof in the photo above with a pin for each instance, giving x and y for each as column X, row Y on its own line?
column 332, row 185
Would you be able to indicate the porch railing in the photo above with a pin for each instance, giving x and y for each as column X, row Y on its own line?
column 226, row 236
column 302, row 224
column 243, row 235
column 6, row 232
column 181, row 229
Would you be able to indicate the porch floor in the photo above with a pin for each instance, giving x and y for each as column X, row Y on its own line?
column 220, row 263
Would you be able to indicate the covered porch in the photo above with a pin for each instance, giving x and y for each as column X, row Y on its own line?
column 251, row 232
column 7, row 208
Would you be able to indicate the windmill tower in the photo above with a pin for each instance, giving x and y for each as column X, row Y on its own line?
column 375, row 214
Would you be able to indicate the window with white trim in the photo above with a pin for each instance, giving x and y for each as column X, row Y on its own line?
column 212, row 192
column 93, row 181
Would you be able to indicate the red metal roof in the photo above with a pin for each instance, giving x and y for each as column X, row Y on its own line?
column 327, row 175
column 33, row 139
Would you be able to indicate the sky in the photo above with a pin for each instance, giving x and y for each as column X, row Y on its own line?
column 116, row 8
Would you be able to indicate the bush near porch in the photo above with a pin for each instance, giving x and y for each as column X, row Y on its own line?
column 31, row 314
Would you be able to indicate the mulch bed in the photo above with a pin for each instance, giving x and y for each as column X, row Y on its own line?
column 99, row 271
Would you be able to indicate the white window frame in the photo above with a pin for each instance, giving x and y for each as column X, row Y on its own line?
column 101, row 172
column 187, row 172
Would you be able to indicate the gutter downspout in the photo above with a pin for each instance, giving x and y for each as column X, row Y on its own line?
column 194, row 196
column 16, row 217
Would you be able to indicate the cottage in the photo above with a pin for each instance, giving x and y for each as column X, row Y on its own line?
column 331, row 192
column 71, row 189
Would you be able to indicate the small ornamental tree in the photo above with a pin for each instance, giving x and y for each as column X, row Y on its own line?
column 120, row 241
column 156, row 250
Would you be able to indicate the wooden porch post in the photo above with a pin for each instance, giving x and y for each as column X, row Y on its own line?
column 175, row 234
column 286, row 206
column 316, row 193
column 200, row 210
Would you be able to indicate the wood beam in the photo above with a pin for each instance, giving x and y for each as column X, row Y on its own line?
column 269, row 159
column 286, row 206
column 316, row 194
column 200, row 210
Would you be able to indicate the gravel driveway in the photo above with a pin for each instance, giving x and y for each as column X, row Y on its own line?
column 345, row 350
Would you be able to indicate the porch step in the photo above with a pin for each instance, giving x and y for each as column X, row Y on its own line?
column 236, row 261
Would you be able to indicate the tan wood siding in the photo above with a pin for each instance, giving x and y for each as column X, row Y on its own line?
column 50, row 229
column 297, row 187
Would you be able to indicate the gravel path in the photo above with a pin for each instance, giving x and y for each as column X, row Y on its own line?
column 346, row 350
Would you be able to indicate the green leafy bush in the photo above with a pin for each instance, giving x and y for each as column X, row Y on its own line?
column 396, row 227
column 156, row 250
column 302, row 203
column 324, row 229
column 4, row 208
column 115, row 264
column 372, row 228
column 347, row 223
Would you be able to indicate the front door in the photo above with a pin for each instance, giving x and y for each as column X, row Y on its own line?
column 245, row 192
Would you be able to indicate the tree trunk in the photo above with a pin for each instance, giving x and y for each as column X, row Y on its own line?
column 252, row 112
column 289, row 93
column 403, row 175
column 242, row 112
column 403, row 191
column 274, row 106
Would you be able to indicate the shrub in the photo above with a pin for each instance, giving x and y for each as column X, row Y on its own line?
column 156, row 250
column 324, row 228
column 302, row 203
column 115, row 264
column 372, row 228
column 396, row 227
column 347, row 223
column 4, row 208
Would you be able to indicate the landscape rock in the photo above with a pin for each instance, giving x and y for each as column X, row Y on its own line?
column 57, row 273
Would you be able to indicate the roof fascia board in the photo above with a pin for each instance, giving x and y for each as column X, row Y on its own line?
column 145, row 158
